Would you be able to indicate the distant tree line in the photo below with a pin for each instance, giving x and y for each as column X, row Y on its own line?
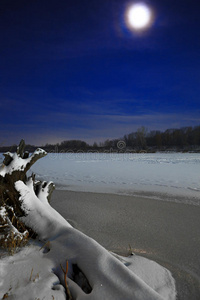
column 186, row 138
column 142, row 140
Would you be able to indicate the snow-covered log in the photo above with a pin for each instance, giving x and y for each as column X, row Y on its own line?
column 101, row 275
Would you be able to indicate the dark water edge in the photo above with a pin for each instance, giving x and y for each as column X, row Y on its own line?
column 187, row 284
column 160, row 196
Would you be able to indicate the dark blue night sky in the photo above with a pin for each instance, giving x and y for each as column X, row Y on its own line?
column 73, row 69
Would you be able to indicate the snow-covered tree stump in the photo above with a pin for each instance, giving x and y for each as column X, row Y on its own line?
column 13, row 232
column 94, row 273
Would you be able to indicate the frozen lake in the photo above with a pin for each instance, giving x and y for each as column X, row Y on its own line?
column 172, row 176
column 169, row 175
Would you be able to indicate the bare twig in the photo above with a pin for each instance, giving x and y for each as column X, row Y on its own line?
column 47, row 244
column 31, row 274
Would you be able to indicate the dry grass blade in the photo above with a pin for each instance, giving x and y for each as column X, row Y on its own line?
column 31, row 275
column 65, row 278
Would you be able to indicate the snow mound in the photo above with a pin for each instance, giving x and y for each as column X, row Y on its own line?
column 30, row 274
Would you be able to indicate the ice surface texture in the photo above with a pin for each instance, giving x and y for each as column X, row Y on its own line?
column 174, row 175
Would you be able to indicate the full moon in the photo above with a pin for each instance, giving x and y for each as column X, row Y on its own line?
column 139, row 16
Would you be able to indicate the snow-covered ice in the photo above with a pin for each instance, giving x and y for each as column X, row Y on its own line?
column 169, row 174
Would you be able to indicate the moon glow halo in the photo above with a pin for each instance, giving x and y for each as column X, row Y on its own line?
column 139, row 16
